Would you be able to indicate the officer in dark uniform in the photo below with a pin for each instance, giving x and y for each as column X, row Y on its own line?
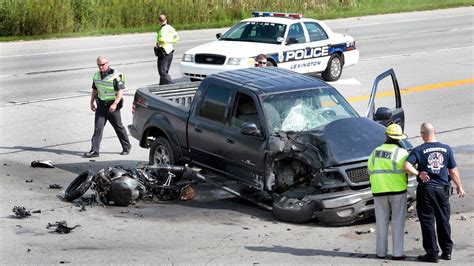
column 107, row 92
column 166, row 36
column 435, row 167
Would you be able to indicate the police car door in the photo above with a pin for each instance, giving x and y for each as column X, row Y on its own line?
column 294, row 49
column 385, row 104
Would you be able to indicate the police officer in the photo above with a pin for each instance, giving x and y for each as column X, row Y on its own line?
column 165, row 38
column 435, row 167
column 106, row 101
column 388, row 183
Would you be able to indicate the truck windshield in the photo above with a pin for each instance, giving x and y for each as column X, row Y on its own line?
column 251, row 31
column 305, row 110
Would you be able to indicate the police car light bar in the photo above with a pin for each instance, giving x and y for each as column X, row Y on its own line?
column 272, row 14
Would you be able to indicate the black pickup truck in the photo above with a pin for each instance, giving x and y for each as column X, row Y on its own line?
column 274, row 130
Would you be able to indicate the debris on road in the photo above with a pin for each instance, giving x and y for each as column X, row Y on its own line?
column 42, row 164
column 21, row 212
column 36, row 211
column 61, row 227
column 362, row 232
column 29, row 181
column 462, row 218
column 55, row 186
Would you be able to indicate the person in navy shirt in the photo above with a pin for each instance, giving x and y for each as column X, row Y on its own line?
column 435, row 167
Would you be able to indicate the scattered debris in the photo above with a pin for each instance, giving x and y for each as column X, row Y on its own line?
column 19, row 226
column 463, row 218
column 125, row 211
column 61, row 227
column 21, row 212
column 245, row 228
column 55, row 186
column 83, row 208
column 138, row 215
column 28, row 250
column 417, row 239
column 411, row 208
column 187, row 193
column 288, row 229
column 371, row 230
column 42, row 164
column 29, row 181
column 336, row 249
column 406, row 232
column 36, row 211
column 6, row 164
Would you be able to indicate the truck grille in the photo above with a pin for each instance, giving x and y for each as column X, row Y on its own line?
column 358, row 175
column 210, row 59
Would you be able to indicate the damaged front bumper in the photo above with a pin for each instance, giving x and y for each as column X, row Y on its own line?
column 346, row 207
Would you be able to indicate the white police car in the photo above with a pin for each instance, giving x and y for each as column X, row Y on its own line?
column 288, row 40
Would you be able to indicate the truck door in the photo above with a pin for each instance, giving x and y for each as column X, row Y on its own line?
column 206, row 124
column 385, row 103
column 246, row 153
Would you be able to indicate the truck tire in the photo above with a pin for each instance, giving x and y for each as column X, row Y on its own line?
column 161, row 152
column 79, row 186
column 291, row 209
column 334, row 68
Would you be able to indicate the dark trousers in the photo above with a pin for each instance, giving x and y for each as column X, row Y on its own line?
column 433, row 206
column 164, row 64
column 102, row 115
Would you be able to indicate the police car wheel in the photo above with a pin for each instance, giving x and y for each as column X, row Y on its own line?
column 161, row 152
column 79, row 186
column 291, row 209
column 334, row 68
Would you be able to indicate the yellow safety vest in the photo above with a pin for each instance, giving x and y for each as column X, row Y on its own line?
column 386, row 172
column 105, row 86
column 166, row 36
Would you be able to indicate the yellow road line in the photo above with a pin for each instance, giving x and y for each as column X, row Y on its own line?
column 442, row 85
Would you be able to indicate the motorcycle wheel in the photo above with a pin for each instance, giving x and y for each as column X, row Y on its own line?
column 79, row 186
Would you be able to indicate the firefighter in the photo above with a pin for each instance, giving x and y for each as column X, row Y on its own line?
column 388, row 183
column 165, row 38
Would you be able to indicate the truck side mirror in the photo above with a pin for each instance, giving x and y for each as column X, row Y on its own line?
column 218, row 35
column 250, row 129
column 382, row 114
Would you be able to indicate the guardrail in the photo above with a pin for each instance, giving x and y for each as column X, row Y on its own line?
column 181, row 93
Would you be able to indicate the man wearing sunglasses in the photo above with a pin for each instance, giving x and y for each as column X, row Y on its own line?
column 261, row 60
column 106, row 101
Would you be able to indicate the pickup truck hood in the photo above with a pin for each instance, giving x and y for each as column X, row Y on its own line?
column 346, row 140
column 235, row 49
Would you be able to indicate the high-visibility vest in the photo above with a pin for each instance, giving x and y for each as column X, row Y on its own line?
column 386, row 172
column 105, row 86
column 166, row 36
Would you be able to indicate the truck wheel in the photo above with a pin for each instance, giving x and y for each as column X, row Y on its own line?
column 334, row 69
column 161, row 152
column 79, row 186
column 291, row 209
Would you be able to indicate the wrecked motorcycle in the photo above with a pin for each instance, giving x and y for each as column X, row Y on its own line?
column 121, row 186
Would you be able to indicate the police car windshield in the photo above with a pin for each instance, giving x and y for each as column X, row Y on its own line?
column 305, row 110
column 252, row 31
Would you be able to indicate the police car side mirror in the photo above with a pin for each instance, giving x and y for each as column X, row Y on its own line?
column 280, row 39
column 291, row 41
column 382, row 114
column 218, row 35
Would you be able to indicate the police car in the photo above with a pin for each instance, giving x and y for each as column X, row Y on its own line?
column 288, row 40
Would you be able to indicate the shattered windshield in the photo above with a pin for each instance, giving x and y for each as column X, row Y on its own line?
column 305, row 110
column 252, row 31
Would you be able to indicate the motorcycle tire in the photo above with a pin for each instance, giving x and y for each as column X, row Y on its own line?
column 79, row 186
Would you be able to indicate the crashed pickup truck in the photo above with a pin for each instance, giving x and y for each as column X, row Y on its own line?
column 290, row 135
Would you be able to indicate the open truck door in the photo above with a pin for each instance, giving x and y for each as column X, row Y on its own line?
column 387, row 85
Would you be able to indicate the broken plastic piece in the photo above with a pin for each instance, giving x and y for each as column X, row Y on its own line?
column 187, row 193
column 55, row 186
column 21, row 212
column 36, row 211
column 42, row 164
column 61, row 227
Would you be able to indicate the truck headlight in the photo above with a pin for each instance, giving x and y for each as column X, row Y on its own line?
column 188, row 58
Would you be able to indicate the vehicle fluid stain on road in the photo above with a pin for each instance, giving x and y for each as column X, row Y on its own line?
column 435, row 86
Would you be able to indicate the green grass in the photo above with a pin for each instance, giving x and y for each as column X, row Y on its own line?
column 46, row 19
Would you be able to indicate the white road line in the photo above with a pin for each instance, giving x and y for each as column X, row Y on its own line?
column 95, row 49
column 414, row 53
column 400, row 21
